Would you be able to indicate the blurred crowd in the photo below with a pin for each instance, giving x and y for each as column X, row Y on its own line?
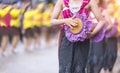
column 26, row 21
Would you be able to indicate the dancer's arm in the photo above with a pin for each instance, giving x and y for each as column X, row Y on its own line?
column 56, row 12
column 95, row 9
column 107, row 17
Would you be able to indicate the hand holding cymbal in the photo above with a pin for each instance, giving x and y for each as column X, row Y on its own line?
column 78, row 28
column 70, row 22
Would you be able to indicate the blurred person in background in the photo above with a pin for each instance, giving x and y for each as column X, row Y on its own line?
column 15, row 23
column 98, row 49
column 28, row 28
column 117, row 15
column 37, row 21
column 15, row 27
column 47, row 28
column 111, row 42
column 5, row 25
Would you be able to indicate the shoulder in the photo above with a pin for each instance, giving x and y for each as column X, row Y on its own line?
column 92, row 2
column 60, row 3
column 87, row 3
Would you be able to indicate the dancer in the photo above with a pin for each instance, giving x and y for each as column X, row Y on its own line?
column 111, row 44
column 15, row 27
column 5, row 25
column 46, row 22
column 73, row 55
column 28, row 27
column 37, row 21
column 97, row 49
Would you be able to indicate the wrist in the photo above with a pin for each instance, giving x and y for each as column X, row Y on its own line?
column 63, row 21
column 93, row 33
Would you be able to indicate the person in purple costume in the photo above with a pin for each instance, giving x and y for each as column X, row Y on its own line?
column 73, row 55
column 111, row 43
column 97, row 49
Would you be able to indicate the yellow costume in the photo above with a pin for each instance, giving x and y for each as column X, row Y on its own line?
column 28, row 18
column 3, row 13
column 0, row 17
column 117, row 15
column 47, row 15
column 15, row 21
column 46, row 18
column 37, row 18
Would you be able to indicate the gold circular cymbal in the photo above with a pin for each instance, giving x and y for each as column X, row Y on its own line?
column 78, row 28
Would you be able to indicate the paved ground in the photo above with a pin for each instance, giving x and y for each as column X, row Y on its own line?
column 38, row 61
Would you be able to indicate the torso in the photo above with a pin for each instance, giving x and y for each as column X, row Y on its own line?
column 36, row 17
column 28, row 16
column 84, row 8
column 15, row 15
column 66, row 13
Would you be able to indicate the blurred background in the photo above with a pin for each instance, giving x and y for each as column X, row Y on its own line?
column 28, row 43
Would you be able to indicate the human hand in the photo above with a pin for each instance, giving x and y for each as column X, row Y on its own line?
column 70, row 22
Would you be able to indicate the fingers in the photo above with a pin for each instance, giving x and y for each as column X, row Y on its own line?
column 73, row 24
column 74, row 21
column 71, row 27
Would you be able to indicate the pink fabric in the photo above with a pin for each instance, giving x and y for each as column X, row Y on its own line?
column 83, row 9
column 7, row 20
column 67, row 13
column 66, row 3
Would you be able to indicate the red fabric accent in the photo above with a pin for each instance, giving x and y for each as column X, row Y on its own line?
column 7, row 19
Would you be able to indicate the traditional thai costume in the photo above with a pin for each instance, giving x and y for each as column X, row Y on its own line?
column 73, row 54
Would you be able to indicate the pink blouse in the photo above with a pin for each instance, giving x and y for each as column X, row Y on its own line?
column 66, row 13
